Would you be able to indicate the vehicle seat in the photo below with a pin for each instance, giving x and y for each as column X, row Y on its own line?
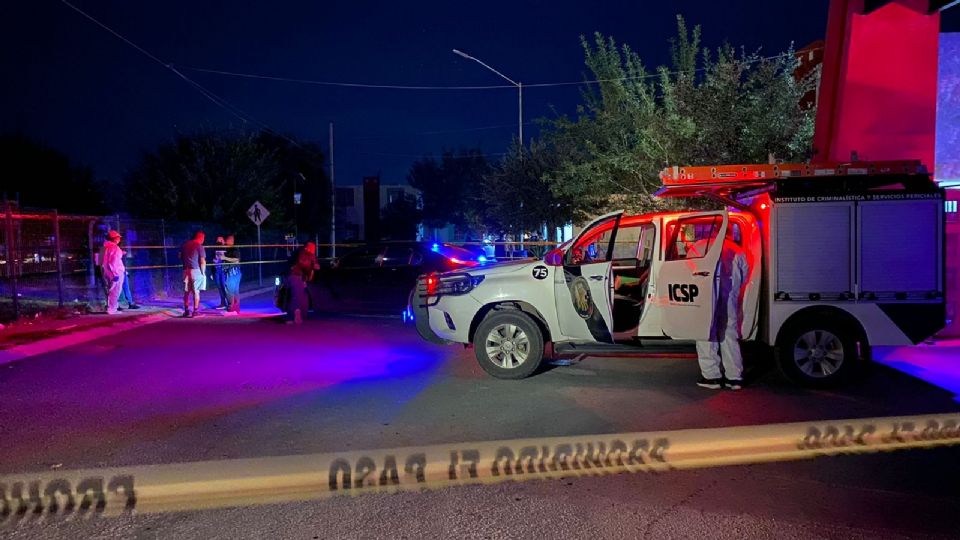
column 628, row 302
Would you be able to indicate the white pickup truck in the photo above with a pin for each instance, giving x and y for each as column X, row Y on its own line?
column 842, row 257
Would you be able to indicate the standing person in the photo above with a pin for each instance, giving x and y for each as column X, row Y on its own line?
column 112, row 270
column 723, row 347
column 301, row 273
column 500, row 249
column 194, row 260
column 232, row 275
column 126, row 295
column 218, row 273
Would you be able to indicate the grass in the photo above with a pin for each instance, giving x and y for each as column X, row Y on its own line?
column 34, row 310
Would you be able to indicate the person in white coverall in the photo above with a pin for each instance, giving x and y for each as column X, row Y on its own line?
column 723, row 347
column 113, row 271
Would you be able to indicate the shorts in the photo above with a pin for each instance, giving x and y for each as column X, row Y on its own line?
column 194, row 280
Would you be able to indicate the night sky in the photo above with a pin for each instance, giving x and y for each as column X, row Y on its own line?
column 74, row 86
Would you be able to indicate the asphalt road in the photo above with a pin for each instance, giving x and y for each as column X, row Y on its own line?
column 221, row 388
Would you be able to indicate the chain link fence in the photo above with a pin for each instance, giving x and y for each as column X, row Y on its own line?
column 50, row 260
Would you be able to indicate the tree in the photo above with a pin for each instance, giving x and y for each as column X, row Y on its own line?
column 301, row 169
column 706, row 107
column 400, row 218
column 43, row 177
column 215, row 176
column 517, row 191
column 208, row 177
column 451, row 188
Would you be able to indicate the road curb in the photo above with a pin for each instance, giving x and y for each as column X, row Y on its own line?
column 46, row 345
column 219, row 484
column 43, row 346
column 256, row 292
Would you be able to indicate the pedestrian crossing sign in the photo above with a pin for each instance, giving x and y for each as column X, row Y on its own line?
column 257, row 213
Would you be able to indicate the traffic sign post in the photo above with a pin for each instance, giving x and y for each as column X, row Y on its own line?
column 258, row 214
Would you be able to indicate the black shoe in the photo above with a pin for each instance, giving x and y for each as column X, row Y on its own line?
column 133, row 306
column 733, row 384
column 119, row 308
column 713, row 384
column 186, row 314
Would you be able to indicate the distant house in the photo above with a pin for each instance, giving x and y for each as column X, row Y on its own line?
column 352, row 222
column 809, row 61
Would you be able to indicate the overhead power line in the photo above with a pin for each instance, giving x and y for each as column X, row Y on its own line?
column 205, row 92
column 430, row 155
column 343, row 84
column 437, row 132
column 276, row 78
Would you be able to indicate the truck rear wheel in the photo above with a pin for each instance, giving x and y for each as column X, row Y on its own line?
column 508, row 344
column 817, row 351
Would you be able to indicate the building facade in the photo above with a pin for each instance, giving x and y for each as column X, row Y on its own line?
column 352, row 217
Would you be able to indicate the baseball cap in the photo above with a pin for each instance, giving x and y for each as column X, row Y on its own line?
column 113, row 234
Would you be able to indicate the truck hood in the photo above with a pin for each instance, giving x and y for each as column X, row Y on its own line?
column 501, row 268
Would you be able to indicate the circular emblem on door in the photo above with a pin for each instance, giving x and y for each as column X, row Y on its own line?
column 540, row 272
column 582, row 299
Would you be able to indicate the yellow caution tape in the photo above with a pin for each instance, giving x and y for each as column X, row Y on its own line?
column 217, row 484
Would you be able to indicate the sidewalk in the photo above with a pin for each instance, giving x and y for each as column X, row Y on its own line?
column 31, row 337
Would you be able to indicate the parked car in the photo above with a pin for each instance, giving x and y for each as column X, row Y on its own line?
column 378, row 278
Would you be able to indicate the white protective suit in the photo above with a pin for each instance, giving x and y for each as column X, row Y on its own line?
column 731, row 276
column 114, row 273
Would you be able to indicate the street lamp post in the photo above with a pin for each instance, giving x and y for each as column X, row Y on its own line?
column 296, row 203
column 519, row 86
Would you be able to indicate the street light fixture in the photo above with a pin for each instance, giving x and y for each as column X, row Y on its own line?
column 519, row 86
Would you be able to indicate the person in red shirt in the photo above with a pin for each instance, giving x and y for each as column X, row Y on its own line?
column 301, row 273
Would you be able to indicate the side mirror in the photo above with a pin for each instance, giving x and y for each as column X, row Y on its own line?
column 554, row 257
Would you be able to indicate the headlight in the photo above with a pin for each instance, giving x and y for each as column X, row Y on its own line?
column 448, row 284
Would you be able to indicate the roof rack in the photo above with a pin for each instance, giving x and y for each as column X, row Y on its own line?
column 716, row 174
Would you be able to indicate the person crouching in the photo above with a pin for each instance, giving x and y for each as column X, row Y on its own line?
column 301, row 273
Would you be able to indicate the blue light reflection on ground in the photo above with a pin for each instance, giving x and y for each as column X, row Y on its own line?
column 937, row 364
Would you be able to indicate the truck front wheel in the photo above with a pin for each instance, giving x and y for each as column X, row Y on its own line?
column 817, row 351
column 508, row 344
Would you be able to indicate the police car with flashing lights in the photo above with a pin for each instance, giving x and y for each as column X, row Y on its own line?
column 842, row 257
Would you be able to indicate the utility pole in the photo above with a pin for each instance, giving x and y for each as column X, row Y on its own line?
column 296, row 201
column 56, row 247
column 520, row 124
column 13, row 258
column 333, row 201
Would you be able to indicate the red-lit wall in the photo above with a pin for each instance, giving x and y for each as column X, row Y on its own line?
column 878, row 98
column 878, row 92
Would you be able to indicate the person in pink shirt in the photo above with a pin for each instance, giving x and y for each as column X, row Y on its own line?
column 113, row 271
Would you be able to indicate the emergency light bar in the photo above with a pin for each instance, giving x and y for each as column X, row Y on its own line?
column 715, row 174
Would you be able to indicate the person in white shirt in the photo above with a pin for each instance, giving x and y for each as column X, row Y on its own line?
column 113, row 271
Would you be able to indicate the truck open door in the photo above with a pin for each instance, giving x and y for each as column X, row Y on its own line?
column 685, row 282
column 584, row 289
